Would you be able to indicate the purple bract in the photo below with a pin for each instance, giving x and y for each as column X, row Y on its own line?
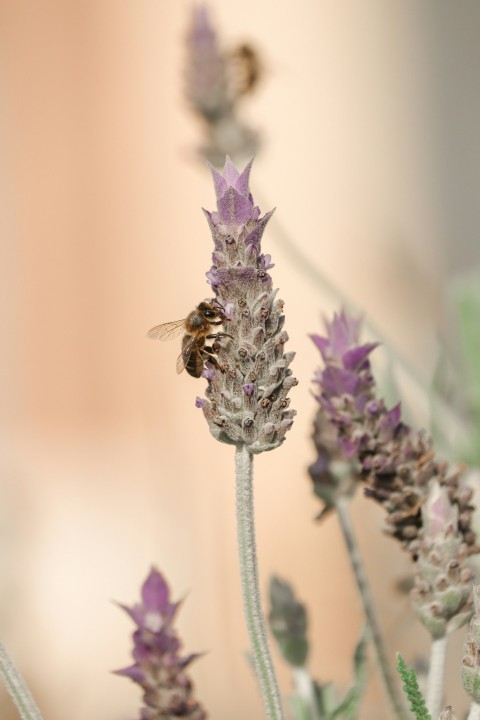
column 159, row 668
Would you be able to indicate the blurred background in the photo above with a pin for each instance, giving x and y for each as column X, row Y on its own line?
column 369, row 115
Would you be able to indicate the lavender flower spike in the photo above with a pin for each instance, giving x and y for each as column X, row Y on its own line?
column 247, row 401
column 159, row 668
column 396, row 463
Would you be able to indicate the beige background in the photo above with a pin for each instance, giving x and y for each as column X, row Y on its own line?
column 369, row 113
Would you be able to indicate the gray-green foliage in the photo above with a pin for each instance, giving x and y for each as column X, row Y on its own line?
column 412, row 691
column 312, row 700
column 348, row 707
column 288, row 622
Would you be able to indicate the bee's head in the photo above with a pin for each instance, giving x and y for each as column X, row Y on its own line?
column 209, row 310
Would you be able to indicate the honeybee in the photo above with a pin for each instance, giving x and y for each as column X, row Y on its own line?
column 245, row 69
column 197, row 328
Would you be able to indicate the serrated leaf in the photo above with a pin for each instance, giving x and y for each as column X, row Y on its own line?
column 412, row 691
column 288, row 622
column 294, row 650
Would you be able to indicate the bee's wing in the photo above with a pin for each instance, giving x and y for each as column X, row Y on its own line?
column 167, row 330
column 187, row 347
column 180, row 363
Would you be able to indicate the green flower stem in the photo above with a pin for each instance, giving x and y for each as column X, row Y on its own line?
column 436, row 674
column 369, row 609
column 17, row 688
column 250, row 587
column 474, row 713
column 305, row 689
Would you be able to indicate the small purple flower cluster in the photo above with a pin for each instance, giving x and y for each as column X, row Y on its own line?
column 395, row 463
column 159, row 668
column 247, row 395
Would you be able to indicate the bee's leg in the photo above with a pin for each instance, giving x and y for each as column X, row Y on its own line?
column 216, row 322
column 215, row 336
column 208, row 354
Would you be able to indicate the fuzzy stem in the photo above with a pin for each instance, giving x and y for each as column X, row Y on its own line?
column 436, row 673
column 250, row 587
column 474, row 713
column 369, row 609
column 305, row 689
column 17, row 688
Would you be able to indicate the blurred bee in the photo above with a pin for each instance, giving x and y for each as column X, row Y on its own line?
column 197, row 328
column 245, row 69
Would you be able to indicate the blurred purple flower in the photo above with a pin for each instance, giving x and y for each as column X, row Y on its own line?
column 396, row 464
column 214, row 80
column 159, row 668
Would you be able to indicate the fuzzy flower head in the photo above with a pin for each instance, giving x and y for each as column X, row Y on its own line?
column 441, row 596
column 395, row 463
column 247, row 396
column 158, row 666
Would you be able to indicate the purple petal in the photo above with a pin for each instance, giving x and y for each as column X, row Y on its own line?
column 322, row 344
column 362, row 400
column 155, row 592
column 234, row 209
column 372, row 407
column 349, row 447
column 242, row 183
column 208, row 371
column 133, row 672
column 229, row 310
column 395, row 414
column 135, row 613
column 202, row 30
column 353, row 359
column 338, row 381
column 230, row 173
column 343, row 333
column 213, row 278
column 267, row 259
column 248, row 388
column 219, row 182
column 189, row 658
column 254, row 237
column 199, row 402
